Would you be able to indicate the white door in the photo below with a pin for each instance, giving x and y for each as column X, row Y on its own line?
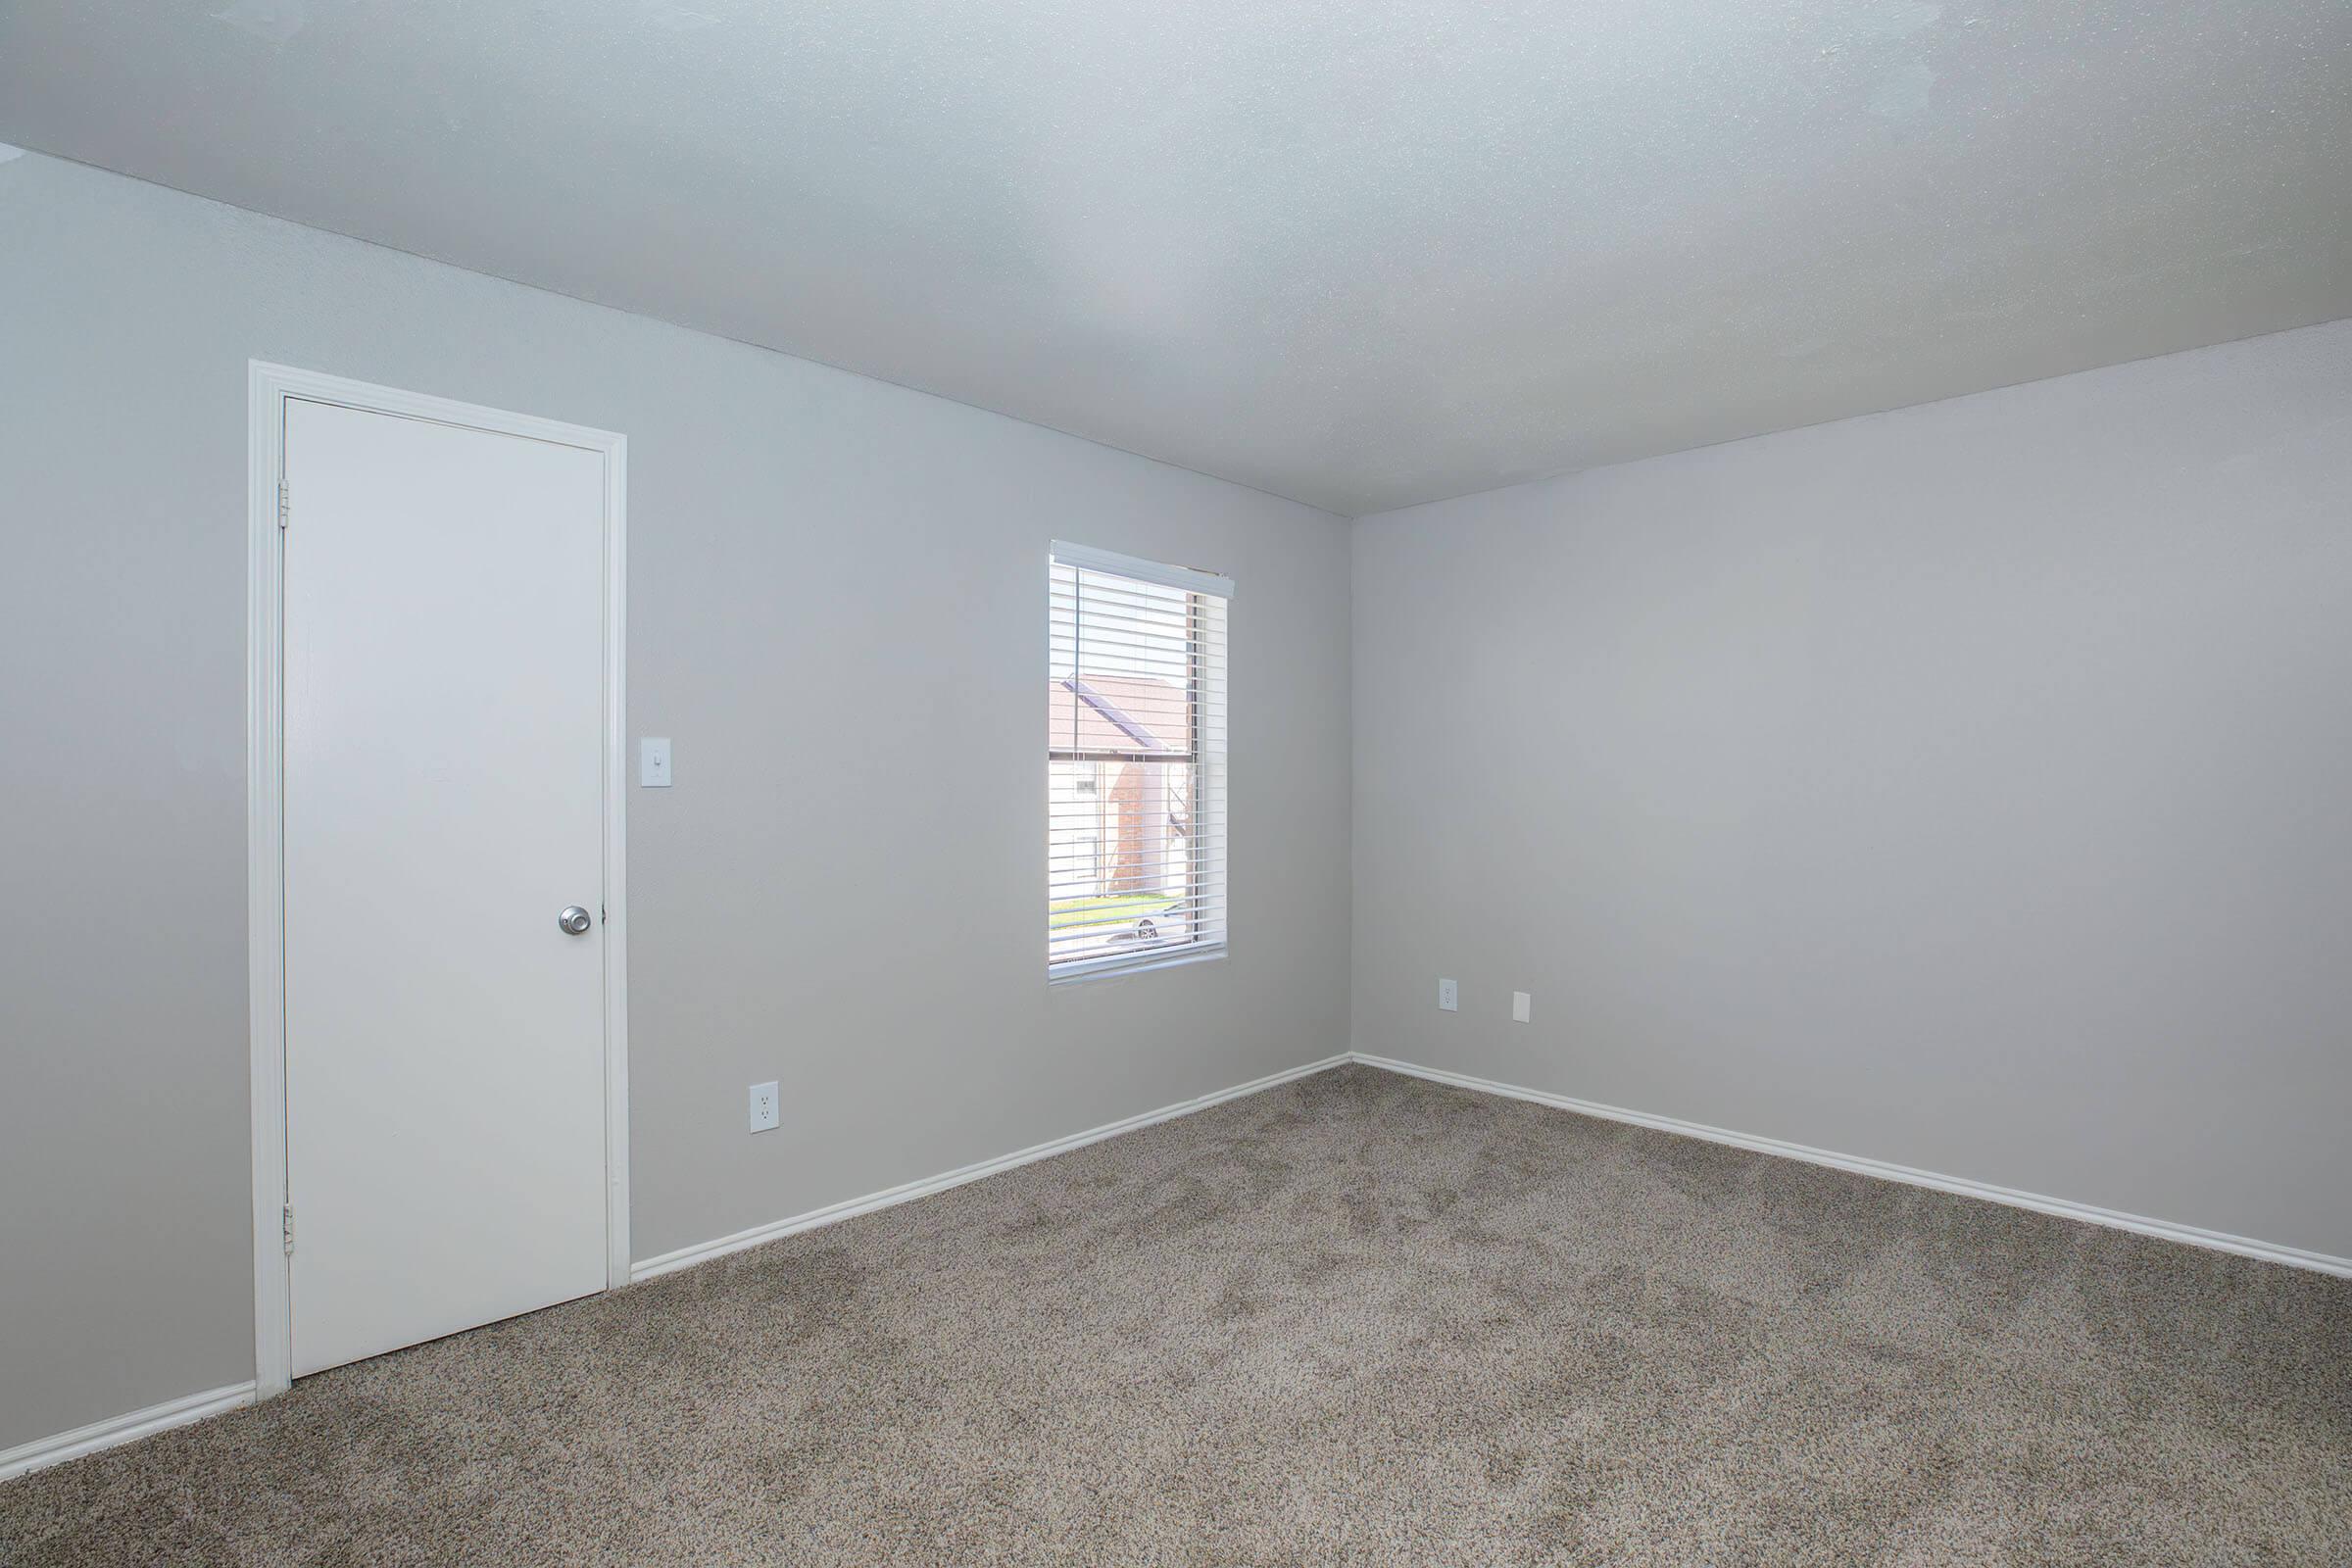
column 443, row 804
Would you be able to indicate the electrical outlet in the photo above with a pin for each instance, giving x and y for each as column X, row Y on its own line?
column 1521, row 1002
column 1449, row 998
column 764, row 1108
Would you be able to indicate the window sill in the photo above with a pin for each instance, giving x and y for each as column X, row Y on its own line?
column 1119, row 968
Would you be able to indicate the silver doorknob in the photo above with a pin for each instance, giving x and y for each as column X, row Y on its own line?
column 574, row 920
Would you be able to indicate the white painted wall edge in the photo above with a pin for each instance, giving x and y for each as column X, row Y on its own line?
column 2062, row 1209
column 41, row 1452
column 703, row 1251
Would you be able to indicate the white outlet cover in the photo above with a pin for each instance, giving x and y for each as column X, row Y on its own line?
column 1449, row 998
column 764, row 1108
column 1520, row 1003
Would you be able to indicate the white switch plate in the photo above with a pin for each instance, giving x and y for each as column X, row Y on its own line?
column 1520, row 1002
column 653, row 763
column 764, row 1108
column 1448, row 997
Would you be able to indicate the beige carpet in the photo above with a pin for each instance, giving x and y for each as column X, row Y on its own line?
column 1359, row 1319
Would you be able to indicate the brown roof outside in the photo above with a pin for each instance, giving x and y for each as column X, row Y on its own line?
column 1127, row 714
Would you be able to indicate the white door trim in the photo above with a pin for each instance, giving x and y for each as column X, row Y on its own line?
column 268, row 387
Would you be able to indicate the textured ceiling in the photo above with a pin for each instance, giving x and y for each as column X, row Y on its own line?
column 1362, row 254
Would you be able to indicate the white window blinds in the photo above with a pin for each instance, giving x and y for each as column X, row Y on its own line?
column 1134, row 763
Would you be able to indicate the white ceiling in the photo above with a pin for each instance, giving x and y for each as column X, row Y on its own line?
column 1357, row 252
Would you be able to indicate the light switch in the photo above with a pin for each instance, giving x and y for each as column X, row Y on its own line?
column 1448, row 997
column 1520, row 1002
column 652, row 768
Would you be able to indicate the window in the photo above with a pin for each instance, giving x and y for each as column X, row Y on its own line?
column 1135, row 763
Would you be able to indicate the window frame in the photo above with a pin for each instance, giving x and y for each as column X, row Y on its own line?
column 1203, row 669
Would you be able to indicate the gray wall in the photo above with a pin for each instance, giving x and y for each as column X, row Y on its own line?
column 836, row 606
column 1968, row 787
column 1963, row 787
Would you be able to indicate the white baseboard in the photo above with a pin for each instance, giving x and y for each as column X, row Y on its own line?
column 703, row 1251
column 2167, row 1230
column 44, row 1452
column 121, row 1429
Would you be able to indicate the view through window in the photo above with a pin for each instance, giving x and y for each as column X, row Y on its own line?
column 1135, row 738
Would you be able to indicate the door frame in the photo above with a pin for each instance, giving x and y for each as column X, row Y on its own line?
column 269, row 388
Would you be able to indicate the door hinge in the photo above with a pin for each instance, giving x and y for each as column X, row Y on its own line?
column 286, row 1228
column 285, row 502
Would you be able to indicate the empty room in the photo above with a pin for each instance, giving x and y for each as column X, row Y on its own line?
column 1683, row 896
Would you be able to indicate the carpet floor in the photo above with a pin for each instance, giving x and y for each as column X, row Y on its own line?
column 1356, row 1319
